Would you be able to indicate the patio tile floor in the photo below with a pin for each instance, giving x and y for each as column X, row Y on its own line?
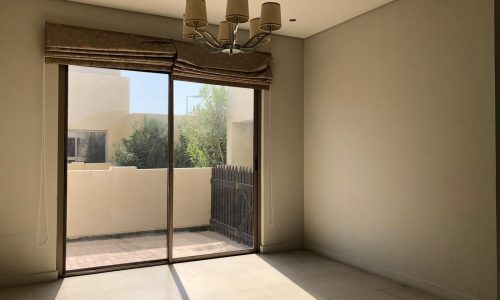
column 106, row 252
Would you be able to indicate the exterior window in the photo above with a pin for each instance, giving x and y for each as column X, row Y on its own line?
column 71, row 147
column 87, row 146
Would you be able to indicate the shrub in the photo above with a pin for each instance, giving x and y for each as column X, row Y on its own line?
column 145, row 148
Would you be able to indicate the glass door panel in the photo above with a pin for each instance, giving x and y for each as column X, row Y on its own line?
column 213, row 197
column 117, row 154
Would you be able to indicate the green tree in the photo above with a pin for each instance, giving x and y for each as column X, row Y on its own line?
column 182, row 158
column 203, row 133
column 145, row 148
column 202, row 141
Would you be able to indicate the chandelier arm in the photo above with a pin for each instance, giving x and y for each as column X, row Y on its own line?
column 207, row 43
column 235, row 35
column 210, row 41
column 245, row 50
column 256, row 40
column 210, row 48
column 208, row 38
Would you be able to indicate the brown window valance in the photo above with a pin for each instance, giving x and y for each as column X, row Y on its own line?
column 194, row 63
column 80, row 46
column 186, row 61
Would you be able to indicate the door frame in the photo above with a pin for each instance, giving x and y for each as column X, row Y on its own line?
column 496, row 37
column 62, row 186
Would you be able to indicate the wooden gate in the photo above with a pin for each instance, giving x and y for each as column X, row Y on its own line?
column 233, row 203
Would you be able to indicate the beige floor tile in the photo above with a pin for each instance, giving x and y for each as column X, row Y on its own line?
column 88, row 296
column 342, row 285
column 47, row 291
column 312, row 269
column 293, row 275
column 372, row 295
column 283, row 291
column 409, row 293
column 373, row 281
column 71, row 288
column 152, row 293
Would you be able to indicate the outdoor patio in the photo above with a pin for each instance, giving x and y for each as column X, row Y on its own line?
column 105, row 252
column 130, row 225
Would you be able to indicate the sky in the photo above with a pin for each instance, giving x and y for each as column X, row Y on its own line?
column 149, row 93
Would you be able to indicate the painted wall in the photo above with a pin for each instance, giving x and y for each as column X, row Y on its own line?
column 94, row 91
column 98, row 99
column 125, row 199
column 240, row 123
column 27, row 234
column 283, row 149
column 399, row 144
column 87, row 166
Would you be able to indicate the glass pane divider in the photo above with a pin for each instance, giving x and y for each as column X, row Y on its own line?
column 170, row 170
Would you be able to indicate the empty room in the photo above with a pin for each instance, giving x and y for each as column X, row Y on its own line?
column 244, row 149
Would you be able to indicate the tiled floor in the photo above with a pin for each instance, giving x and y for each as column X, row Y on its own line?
column 291, row 275
column 95, row 253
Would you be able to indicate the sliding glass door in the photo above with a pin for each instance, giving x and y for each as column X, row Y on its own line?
column 147, row 156
column 116, row 167
column 213, row 196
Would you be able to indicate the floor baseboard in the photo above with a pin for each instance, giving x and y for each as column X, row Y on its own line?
column 280, row 247
column 23, row 279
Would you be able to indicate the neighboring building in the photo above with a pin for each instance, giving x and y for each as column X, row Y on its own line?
column 98, row 102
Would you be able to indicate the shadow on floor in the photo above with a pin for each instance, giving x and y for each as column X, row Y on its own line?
column 291, row 275
column 324, row 278
column 178, row 282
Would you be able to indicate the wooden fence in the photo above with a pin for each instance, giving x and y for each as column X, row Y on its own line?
column 233, row 203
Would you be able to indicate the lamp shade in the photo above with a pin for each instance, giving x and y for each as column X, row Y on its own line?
column 270, row 16
column 255, row 29
column 187, row 32
column 224, row 32
column 196, row 13
column 237, row 11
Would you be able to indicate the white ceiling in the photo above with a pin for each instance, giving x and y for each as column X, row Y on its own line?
column 312, row 16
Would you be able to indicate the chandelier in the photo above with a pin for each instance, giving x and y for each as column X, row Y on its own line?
column 195, row 22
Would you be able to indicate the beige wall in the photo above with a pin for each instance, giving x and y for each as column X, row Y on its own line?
column 125, row 199
column 89, row 93
column 93, row 105
column 399, row 144
column 283, row 149
column 88, row 166
column 240, row 123
column 24, row 257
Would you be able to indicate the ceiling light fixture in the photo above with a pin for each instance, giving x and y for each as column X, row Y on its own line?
column 195, row 21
